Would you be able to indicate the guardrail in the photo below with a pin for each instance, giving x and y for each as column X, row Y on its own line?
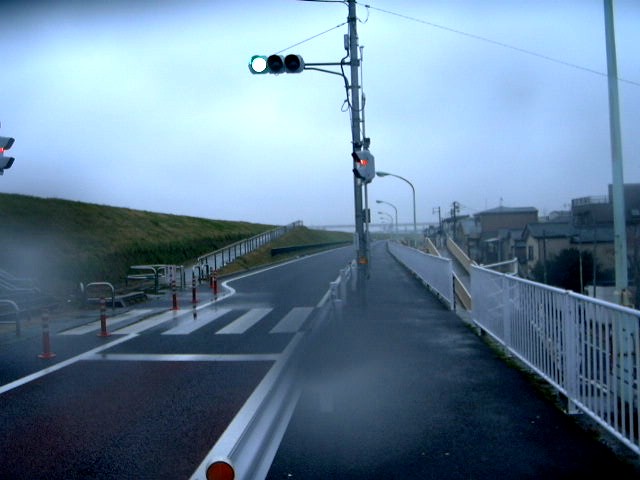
column 219, row 258
column 247, row 447
column 588, row 349
column 435, row 272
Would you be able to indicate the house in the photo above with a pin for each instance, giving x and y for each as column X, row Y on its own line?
column 501, row 228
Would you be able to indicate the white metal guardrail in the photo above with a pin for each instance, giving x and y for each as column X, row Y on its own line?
column 589, row 350
column 436, row 272
column 246, row 449
column 214, row 260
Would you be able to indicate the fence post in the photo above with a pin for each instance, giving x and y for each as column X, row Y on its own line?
column 570, row 341
column 506, row 312
column 46, row 340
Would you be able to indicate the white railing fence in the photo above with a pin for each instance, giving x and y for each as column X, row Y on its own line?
column 589, row 350
column 435, row 272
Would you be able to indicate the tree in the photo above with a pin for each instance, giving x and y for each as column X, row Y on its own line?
column 563, row 270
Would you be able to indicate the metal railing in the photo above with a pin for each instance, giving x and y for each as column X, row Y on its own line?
column 215, row 260
column 588, row 349
column 435, row 272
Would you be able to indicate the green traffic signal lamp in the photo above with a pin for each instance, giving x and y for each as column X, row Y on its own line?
column 258, row 64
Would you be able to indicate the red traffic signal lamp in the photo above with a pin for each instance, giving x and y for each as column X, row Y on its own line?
column 259, row 64
column 5, row 162
column 364, row 165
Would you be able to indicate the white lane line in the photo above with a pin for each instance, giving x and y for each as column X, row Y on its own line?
column 112, row 322
column 189, row 325
column 293, row 320
column 245, row 322
column 186, row 357
column 61, row 365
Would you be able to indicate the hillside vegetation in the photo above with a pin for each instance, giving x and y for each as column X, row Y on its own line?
column 60, row 243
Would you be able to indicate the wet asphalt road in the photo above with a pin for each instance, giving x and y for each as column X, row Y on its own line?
column 403, row 389
column 141, row 407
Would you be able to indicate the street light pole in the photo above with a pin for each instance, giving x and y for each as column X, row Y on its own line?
column 394, row 208
column 384, row 174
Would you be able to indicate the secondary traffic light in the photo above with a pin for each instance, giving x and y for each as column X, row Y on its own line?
column 364, row 167
column 291, row 63
column 5, row 162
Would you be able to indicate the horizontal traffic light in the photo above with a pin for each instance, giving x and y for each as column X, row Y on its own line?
column 259, row 64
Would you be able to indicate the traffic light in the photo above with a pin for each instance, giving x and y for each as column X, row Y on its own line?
column 291, row 63
column 5, row 162
column 364, row 167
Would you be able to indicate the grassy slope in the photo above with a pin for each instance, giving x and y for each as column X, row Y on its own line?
column 60, row 243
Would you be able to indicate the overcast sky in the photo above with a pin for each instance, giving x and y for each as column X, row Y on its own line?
column 150, row 105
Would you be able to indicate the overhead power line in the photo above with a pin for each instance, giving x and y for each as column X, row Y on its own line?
column 314, row 36
column 497, row 43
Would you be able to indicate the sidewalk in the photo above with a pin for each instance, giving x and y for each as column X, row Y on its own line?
column 405, row 389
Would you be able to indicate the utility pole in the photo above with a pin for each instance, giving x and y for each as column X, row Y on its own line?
column 617, row 189
column 356, row 138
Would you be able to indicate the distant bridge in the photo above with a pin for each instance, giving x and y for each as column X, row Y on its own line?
column 377, row 227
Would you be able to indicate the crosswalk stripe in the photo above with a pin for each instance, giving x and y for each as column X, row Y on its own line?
column 112, row 322
column 245, row 322
column 190, row 324
column 293, row 320
column 146, row 324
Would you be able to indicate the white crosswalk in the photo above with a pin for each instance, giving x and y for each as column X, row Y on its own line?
column 188, row 324
column 185, row 323
column 293, row 321
column 113, row 322
column 245, row 321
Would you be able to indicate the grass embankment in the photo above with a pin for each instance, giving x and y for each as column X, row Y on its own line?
column 59, row 243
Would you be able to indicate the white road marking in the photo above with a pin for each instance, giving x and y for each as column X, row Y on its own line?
column 58, row 366
column 189, row 325
column 148, row 323
column 187, row 357
column 293, row 320
column 112, row 322
column 245, row 322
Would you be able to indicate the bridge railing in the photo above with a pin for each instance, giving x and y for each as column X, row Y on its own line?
column 434, row 271
column 589, row 350
column 219, row 258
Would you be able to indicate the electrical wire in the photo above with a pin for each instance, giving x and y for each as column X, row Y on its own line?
column 497, row 43
column 311, row 38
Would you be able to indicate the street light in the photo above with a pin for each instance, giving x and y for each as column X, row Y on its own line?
column 392, row 206
column 384, row 174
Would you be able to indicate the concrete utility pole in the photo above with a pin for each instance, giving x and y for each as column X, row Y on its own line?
column 356, row 138
column 617, row 191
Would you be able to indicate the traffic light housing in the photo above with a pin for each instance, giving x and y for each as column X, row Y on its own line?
column 364, row 165
column 260, row 64
column 5, row 162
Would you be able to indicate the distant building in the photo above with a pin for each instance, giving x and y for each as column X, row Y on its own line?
column 501, row 228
